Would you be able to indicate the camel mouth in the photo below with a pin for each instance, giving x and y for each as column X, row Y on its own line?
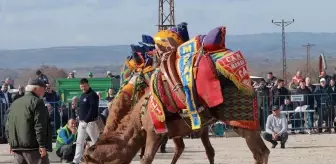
column 87, row 158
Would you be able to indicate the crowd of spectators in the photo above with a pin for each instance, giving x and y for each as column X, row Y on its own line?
column 320, row 97
column 59, row 112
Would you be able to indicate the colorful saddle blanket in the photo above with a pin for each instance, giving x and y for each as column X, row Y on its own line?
column 239, row 109
column 234, row 67
column 185, row 64
column 155, row 106
column 186, row 56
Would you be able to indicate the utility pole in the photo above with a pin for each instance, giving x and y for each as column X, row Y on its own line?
column 308, row 46
column 166, row 18
column 283, row 24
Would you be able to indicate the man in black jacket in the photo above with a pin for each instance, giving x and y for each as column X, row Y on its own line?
column 308, row 100
column 27, row 127
column 332, row 91
column 279, row 93
column 88, row 114
column 270, row 80
column 322, row 95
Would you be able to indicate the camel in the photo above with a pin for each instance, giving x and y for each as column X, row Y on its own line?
column 234, row 105
column 121, row 105
column 134, row 131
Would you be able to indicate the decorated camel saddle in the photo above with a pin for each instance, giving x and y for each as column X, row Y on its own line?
column 188, row 80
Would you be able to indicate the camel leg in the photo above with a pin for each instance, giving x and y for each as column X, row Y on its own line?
column 142, row 152
column 255, row 143
column 153, row 142
column 179, row 147
column 210, row 152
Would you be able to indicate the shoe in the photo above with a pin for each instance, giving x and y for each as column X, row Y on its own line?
column 274, row 144
column 282, row 145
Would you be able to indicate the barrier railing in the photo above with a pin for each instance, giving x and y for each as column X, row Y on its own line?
column 59, row 114
column 312, row 112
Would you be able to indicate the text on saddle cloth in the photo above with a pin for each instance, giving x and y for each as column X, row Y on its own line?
column 234, row 67
column 155, row 106
column 185, row 65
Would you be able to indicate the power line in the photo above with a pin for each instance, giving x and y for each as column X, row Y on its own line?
column 308, row 47
column 283, row 24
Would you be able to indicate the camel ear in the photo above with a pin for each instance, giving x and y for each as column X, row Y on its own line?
column 172, row 43
column 159, row 48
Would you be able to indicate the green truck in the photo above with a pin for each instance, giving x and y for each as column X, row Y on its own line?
column 68, row 88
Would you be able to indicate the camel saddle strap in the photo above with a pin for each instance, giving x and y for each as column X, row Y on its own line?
column 168, row 69
column 169, row 94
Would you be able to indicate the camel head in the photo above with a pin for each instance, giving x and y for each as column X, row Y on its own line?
column 107, row 150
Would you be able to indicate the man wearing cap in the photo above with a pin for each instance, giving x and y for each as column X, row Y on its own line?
column 42, row 77
column 322, row 94
column 276, row 128
column 27, row 129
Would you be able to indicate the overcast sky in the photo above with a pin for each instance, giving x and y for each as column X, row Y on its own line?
column 48, row 23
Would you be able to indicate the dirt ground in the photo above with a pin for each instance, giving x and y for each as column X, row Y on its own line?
column 300, row 149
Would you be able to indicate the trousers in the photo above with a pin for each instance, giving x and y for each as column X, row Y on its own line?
column 30, row 157
column 282, row 138
column 66, row 152
column 84, row 130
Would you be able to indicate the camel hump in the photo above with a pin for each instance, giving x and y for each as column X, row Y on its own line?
column 215, row 39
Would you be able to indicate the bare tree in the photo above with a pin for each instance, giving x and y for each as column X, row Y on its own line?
column 52, row 72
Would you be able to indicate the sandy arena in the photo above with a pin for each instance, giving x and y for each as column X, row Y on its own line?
column 301, row 149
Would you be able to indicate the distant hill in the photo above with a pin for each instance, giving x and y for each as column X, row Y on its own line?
column 258, row 48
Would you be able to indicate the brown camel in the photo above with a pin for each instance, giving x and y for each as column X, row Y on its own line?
column 121, row 106
column 135, row 130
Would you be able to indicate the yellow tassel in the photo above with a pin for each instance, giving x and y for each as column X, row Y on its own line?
column 230, row 76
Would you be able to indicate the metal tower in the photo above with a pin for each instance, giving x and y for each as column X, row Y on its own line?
column 308, row 46
column 166, row 18
column 283, row 24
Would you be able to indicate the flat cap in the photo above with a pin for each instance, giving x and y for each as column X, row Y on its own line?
column 275, row 107
column 37, row 82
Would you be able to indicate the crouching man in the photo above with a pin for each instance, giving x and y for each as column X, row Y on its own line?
column 276, row 128
column 65, row 146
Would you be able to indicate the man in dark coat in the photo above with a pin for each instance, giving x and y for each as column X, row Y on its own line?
column 332, row 91
column 270, row 80
column 88, row 115
column 5, row 102
column 308, row 100
column 19, row 94
column 27, row 126
column 322, row 95
column 279, row 93
column 42, row 77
